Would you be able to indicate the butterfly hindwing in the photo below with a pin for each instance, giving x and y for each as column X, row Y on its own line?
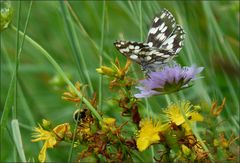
column 131, row 50
column 175, row 42
column 142, row 53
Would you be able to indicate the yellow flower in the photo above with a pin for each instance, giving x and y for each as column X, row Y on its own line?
column 51, row 138
column 149, row 133
column 174, row 114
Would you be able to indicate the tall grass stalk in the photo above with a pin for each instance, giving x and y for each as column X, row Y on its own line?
column 219, row 34
column 77, row 51
column 85, row 34
column 12, row 92
column 17, row 60
column 12, row 96
column 61, row 73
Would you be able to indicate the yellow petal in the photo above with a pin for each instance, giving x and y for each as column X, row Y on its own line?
column 142, row 145
column 51, row 142
column 40, row 134
column 149, row 133
column 61, row 130
column 196, row 117
column 42, row 153
column 144, row 142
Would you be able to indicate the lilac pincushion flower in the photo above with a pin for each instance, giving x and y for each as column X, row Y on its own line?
column 169, row 79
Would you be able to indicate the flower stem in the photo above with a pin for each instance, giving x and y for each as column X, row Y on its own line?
column 61, row 73
column 101, row 57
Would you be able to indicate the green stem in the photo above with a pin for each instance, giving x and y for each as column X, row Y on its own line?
column 61, row 73
column 74, row 136
column 140, row 21
column 17, row 62
column 101, row 57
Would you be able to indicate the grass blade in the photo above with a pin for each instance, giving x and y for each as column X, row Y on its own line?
column 75, row 46
column 17, row 139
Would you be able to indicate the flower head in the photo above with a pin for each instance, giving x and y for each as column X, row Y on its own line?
column 149, row 133
column 174, row 115
column 51, row 138
column 168, row 79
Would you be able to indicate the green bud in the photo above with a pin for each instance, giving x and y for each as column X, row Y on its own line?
column 6, row 14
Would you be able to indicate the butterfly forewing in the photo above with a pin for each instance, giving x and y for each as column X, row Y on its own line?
column 162, row 27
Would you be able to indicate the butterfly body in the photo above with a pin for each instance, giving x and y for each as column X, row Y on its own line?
column 165, row 40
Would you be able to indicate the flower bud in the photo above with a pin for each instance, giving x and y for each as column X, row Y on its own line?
column 46, row 123
column 6, row 14
column 105, row 71
column 186, row 151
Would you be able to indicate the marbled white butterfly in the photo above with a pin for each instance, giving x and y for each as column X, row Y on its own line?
column 165, row 40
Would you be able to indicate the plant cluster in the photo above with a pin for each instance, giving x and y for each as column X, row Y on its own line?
column 172, row 133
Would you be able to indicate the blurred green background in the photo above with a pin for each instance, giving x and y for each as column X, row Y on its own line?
column 212, row 42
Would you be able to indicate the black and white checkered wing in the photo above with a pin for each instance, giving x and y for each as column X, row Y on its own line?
column 165, row 34
column 165, row 40
column 148, row 57
column 132, row 50
column 162, row 27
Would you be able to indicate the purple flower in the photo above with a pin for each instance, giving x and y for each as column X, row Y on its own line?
column 169, row 79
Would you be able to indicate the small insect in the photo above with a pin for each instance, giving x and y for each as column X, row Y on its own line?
column 164, row 41
column 82, row 116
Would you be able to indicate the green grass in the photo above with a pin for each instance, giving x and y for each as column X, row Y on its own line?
column 58, row 43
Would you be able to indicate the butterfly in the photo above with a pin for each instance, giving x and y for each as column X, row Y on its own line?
column 164, row 41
